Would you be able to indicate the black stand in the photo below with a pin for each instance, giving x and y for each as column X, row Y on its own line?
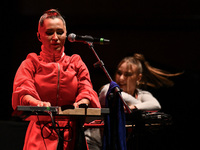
column 80, row 141
column 60, row 140
column 100, row 64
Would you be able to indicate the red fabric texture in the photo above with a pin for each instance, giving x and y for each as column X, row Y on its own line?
column 55, row 78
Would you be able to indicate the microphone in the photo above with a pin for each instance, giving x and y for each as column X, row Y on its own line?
column 86, row 38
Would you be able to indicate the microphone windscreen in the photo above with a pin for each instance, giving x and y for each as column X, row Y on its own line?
column 72, row 37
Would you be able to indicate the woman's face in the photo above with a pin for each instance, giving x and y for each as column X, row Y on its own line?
column 52, row 34
column 127, row 76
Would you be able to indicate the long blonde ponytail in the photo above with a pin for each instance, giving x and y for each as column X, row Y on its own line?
column 151, row 76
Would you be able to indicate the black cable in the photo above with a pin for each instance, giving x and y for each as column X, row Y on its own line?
column 66, row 127
column 46, row 125
column 55, row 127
column 53, row 123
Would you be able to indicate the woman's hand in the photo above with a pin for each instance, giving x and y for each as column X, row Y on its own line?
column 132, row 107
column 30, row 100
column 82, row 101
column 45, row 104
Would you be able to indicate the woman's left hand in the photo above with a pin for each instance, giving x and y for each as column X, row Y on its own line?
column 82, row 101
column 132, row 107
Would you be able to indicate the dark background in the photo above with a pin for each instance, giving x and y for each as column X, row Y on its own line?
column 167, row 32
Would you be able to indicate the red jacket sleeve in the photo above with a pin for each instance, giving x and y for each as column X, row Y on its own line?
column 85, row 88
column 24, row 83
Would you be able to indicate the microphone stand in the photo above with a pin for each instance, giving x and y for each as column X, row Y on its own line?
column 100, row 64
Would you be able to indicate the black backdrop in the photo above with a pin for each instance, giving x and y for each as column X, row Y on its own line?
column 166, row 32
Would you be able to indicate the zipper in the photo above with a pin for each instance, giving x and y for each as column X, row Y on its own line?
column 58, row 84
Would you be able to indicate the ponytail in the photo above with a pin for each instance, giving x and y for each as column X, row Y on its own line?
column 153, row 77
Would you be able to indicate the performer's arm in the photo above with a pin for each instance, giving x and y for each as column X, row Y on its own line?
column 30, row 100
column 24, row 85
column 86, row 94
column 149, row 102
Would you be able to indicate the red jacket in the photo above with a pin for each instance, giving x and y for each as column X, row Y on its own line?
column 60, row 80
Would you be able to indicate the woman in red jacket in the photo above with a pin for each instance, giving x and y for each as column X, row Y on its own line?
column 52, row 79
